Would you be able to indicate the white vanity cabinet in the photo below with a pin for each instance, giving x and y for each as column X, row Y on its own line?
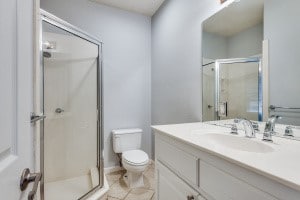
column 170, row 186
column 186, row 172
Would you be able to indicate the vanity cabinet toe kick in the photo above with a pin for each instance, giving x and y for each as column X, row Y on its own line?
column 185, row 172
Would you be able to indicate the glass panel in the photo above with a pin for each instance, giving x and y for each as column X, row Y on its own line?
column 208, row 75
column 239, row 90
column 71, row 166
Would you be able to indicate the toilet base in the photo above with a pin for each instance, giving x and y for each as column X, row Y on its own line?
column 134, row 180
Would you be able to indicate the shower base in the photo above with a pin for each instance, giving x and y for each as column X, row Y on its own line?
column 70, row 189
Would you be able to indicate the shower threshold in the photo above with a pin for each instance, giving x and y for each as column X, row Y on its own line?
column 73, row 188
column 68, row 189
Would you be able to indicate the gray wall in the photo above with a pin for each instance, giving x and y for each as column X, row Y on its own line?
column 246, row 43
column 176, row 60
column 127, row 64
column 243, row 44
column 214, row 46
column 282, row 28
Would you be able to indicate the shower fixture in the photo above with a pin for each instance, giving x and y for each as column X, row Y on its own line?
column 49, row 45
column 59, row 110
column 47, row 54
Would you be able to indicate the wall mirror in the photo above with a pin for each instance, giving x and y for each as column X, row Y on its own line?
column 251, row 56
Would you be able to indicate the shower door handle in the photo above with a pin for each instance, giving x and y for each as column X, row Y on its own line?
column 28, row 177
column 34, row 118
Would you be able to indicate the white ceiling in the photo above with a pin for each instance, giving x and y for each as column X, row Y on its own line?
column 235, row 18
column 145, row 7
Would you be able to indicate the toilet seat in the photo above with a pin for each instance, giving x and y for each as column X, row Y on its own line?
column 135, row 157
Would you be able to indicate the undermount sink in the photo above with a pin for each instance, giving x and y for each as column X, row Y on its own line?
column 237, row 143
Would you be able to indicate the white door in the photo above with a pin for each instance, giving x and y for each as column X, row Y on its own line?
column 16, row 60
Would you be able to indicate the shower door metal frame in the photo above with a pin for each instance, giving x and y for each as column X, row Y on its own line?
column 59, row 23
column 202, row 68
column 219, row 62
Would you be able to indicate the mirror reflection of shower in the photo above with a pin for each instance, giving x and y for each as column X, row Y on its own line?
column 232, row 88
column 229, row 47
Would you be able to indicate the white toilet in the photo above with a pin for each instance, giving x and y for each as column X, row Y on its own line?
column 134, row 160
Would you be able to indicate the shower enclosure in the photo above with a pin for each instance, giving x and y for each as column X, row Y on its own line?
column 71, row 133
column 232, row 88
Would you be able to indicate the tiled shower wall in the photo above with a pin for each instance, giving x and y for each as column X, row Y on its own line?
column 70, row 84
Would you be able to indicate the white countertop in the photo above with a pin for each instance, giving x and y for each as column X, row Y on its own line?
column 281, row 165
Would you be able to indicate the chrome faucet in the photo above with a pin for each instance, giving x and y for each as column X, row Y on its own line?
column 248, row 127
column 269, row 128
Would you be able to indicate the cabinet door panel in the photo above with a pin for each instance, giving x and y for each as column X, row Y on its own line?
column 223, row 186
column 180, row 161
column 170, row 186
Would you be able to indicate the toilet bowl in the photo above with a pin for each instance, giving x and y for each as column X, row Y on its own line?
column 135, row 161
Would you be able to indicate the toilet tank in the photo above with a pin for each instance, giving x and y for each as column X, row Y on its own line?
column 126, row 139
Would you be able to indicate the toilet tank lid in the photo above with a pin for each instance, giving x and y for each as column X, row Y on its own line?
column 126, row 131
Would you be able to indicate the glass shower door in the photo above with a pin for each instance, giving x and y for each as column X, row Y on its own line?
column 208, row 92
column 238, row 88
column 71, row 166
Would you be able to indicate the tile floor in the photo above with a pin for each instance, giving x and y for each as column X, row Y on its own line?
column 119, row 191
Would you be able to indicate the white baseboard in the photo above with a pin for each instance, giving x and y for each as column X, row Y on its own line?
column 108, row 170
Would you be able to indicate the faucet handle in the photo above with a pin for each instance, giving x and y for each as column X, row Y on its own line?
column 289, row 131
column 234, row 129
column 255, row 126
